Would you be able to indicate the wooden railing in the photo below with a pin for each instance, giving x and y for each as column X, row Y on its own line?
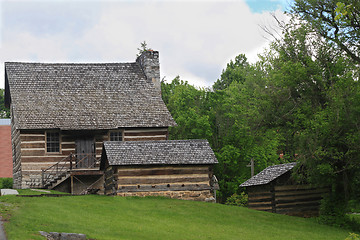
column 62, row 167
column 85, row 160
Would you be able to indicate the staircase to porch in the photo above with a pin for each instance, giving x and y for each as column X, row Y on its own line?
column 61, row 171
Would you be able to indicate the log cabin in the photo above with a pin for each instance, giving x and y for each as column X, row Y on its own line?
column 274, row 190
column 62, row 113
column 176, row 169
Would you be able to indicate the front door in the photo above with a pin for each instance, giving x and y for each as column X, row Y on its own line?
column 85, row 152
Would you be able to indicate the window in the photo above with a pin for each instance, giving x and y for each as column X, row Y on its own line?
column 116, row 136
column 52, row 142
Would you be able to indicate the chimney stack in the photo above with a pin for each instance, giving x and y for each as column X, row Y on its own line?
column 149, row 63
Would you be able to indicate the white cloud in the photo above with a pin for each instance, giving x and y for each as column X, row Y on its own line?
column 195, row 39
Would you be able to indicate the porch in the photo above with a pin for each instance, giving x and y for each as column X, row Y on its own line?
column 76, row 174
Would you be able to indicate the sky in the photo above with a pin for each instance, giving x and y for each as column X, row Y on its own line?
column 195, row 39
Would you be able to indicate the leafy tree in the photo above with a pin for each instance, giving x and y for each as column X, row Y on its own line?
column 186, row 104
column 337, row 21
column 4, row 112
column 315, row 106
column 235, row 71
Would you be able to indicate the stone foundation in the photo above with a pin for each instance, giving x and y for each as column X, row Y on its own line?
column 17, row 180
column 184, row 195
column 29, row 181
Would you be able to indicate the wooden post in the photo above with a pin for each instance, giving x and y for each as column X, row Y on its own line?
column 70, row 161
column 72, row 184
column 252, row 166
column 42, row 178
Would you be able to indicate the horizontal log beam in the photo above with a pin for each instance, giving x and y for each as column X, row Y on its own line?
column 33, row 145
column 173, row 171
column 297, row 204
column 144, row 130
column 153, row 133
column 294, row 187
column 144, row 138
column 298, row 197
column 137, row 168
column 35, row 159
column 262, row 199
column 86, row 172
column 301, row 192
column 32, row 152
column 297, row 209
column 255, row 194
column 170, row 187
column 125, row 181
column 32, row 137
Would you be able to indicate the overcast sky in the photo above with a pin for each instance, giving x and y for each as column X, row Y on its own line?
column 195, row 39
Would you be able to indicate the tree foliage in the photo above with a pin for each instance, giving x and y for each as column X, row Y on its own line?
column 235, row 71
column 4, row 112
column 335, row 20
column 300, row 101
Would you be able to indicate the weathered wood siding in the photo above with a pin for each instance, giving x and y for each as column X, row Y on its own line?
column 34, row 157
column 30, row 148
column 182, row 182
column 294, row 200
column 298, row 200
column 261, row 198
column 16, row 155
column 109, row 181
column 145, row 134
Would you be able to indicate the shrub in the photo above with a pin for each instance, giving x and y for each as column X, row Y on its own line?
column 353, row 236
column 237, row 200
column 332, row 212
column 353, row 206
column 6, row 183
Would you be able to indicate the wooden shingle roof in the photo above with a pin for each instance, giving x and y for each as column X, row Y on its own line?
column 269, row 174
column 158, row 152
column 83, row 96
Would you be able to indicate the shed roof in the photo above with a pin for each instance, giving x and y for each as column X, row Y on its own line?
column 158, row 152
column 83, row 96
column 269, row 174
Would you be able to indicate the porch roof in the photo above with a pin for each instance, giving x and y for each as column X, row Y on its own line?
column 158, row 152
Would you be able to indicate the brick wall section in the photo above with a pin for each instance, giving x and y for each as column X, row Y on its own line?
column 6, row 167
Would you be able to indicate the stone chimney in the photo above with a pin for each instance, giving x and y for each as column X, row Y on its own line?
column 149, row 63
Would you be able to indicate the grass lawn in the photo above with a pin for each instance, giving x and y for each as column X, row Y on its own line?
column 103, row 217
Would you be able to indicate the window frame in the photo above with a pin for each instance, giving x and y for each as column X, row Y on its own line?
column 121, row 133
column 46, row 141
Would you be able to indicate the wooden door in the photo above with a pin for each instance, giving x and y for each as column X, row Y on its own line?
column 85, row 152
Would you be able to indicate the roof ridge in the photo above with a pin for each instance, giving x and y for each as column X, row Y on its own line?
column 68, row 63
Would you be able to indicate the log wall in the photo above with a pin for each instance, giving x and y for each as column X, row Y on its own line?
column 16, row 154
column 34, row 157
column 30, row 156
column 182, row 182
column 145, row 134
column 298, row 200
column 109, row 181
column 261, row 198
column 293, row 200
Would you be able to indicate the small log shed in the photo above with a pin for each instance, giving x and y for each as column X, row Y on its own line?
column 181, row 169
column 274, row 190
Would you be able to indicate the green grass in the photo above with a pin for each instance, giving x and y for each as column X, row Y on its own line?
column 103, row 217
column 32, row 192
